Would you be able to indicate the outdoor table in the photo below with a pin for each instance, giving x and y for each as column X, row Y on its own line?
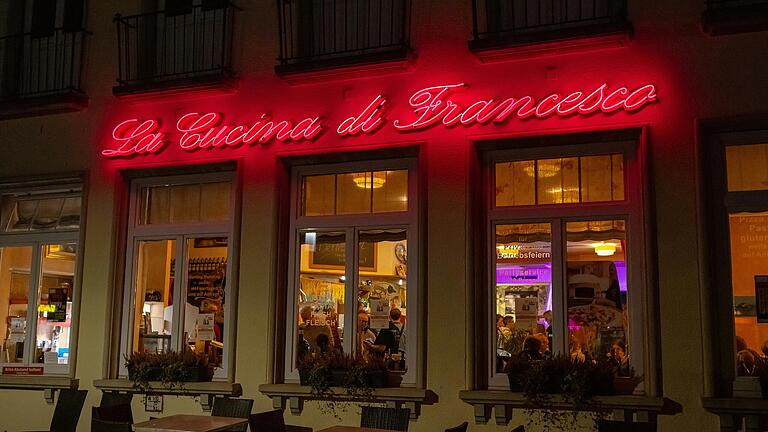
column 189, row 423
column 352, row 429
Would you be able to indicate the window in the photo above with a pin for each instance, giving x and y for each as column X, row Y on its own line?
column 39, row 255
column 180, row 242
column 352, row 288
column 566, row 254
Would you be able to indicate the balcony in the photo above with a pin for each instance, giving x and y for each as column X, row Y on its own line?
column 724, row 17
column 40, row 73
column 321, row 39
column 518, row 29
column 176, row 51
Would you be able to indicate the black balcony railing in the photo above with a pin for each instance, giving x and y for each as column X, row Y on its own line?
column 41, row 64
column 727, row 4
column 324, row 32
column 723, row 17
column 528, row 21
column 160, row 46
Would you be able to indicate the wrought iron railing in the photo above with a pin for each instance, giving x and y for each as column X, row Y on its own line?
column 175, row 44
column 316, row 31
column 41, row 64
column 511, row 18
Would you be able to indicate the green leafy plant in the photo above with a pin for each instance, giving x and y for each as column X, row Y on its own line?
column 171, row 369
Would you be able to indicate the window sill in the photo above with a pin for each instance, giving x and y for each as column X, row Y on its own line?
column 54, row 103
column 732, row 410
column 499, row 48
column 348, row 67
column 48, row 384
column 731, row 20
column 206, row 390
column 213, row 84
column 294, row 395
column 631, row 409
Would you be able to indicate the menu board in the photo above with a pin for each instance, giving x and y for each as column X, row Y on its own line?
column 333, row 255
column 206, row 279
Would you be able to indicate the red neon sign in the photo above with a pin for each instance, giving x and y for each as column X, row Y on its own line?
column 431, row 106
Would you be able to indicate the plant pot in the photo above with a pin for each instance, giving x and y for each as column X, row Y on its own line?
column 394, row 378
column 764, row 386
column 624, row 385
column 197, row 374
column 304, row 377
column 516, row 381
column 376, row 378
column 150, row 373
column 338, row 377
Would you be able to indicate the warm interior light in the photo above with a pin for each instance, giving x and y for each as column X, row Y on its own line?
column 605, row 249
column 544, row 168
column 367, row 181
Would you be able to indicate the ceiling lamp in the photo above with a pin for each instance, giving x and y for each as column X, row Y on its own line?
column 369, row 180
column 605, row 249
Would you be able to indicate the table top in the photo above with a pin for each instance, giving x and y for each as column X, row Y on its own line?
column 352, row 429
column 189, row 423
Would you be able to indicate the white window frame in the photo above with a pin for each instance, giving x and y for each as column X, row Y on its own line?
column 181, row 232
column 352, row 225
column 631, row 210
column 36, row 240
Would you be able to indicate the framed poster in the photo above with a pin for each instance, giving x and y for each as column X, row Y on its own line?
column 761, row 298
column 331, row 255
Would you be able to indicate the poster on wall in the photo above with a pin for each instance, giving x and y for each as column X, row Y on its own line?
column 761, row 298
column 205, row 330
column 526, row 312
column 379, row 318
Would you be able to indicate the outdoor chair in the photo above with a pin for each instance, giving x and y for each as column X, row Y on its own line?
column 98, row 425
column 114, row 398
column 226, row 407
column 272, row 421
column 113, row 413
column 460, row 428
column 385, row 418
column 67, row 412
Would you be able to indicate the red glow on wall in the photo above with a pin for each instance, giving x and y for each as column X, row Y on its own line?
column 429, row 106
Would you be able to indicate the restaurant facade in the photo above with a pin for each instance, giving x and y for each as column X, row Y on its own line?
column 303, row 176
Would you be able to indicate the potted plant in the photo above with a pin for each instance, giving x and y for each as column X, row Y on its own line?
column 172, row 369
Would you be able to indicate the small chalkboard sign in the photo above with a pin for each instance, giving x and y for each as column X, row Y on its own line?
column 331, row 255
column 761, row 298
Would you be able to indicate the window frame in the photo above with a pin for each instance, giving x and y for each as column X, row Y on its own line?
column 632, row 209
column 719, row 204
column 181, row 232
column 66, row 188
column 352, row 225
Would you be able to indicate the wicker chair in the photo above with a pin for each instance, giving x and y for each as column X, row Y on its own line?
column 113, row 413
column 98, row 425
column 272, row 421
column 226, row 407
column 385, row 418
column 67, row 411
column 460, row 428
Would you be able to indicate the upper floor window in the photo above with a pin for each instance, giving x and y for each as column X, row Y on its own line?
column 566, row 253
column 326, row 33
column 39, row 256
column 188, row 40
column 179, row 249
column 41, row 52
column 352, row 288
column 722, row 17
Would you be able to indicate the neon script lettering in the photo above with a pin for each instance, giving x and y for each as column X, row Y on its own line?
column 429, row 106
column 433, row 106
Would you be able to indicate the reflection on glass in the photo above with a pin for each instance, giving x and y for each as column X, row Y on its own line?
column 188, row 203
column 597, row 292
column 318, row 195
column 523, row 291
column 205, row 302
column 14, row 287
column 749, row 261
column 381, row 296
column 54, row 304
column 560, row 180
column 39, row 214
column 320, row 293
column 153, row 315
column 393, row 195
column 355, row 193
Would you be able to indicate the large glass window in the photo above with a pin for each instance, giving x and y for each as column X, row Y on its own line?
column 352, row 287
column 563, row 278
column 178, row 274
column 39, row 235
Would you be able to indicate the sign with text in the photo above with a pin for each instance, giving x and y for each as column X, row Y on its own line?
column 22, row 370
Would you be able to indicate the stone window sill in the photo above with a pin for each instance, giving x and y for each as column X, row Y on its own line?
column 294, row 395
column 734, row 411
column 205, row 390
column 48, row 384
column 630, row 409
column 54, row 103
